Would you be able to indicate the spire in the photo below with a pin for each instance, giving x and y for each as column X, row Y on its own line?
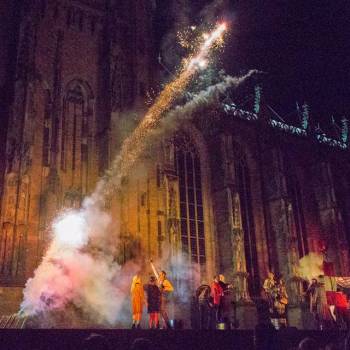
column 344, row 130
column 257, row 98
column 305, row 116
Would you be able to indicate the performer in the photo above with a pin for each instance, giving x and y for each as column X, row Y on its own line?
column 269, row 289
column 323, row 312
column 225, row 286
column 311, row 294
column 204, row 305
column 224, row 300
column 137, row 301
column 216, row 294
column 165, row 288
column 341, row 309
column 153, row 302
column 280, row 303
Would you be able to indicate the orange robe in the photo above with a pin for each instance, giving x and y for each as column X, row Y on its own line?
column 137, row 299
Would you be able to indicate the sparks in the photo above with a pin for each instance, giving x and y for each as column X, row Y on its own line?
column 210, row 40
column 135, row 143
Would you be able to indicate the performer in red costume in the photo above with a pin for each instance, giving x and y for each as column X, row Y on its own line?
column 216, row 293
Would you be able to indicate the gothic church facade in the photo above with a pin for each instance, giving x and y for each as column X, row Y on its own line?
column 239, row 195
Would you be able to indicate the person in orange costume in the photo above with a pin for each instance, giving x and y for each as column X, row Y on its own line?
column 137, row 301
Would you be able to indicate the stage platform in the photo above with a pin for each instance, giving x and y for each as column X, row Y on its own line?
column 121, row 339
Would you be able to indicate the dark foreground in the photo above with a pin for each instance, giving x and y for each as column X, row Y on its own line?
column 121, row 339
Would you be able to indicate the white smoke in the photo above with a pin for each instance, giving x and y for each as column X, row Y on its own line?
column 79, row 269
column 204, row 98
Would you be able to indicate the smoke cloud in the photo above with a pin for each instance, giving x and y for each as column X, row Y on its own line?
column 310, row 266
column 73, row 275
column 208, row 97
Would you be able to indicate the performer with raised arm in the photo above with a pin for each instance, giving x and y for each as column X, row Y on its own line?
column 269, row 287
column 165, row 288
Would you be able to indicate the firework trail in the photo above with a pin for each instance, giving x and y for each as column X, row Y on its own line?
column 204, row 98
column 135, row 143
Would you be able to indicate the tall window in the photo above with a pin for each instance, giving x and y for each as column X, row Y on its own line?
column 300, row 229
column 73, row 125
column 243, row 186
column 191, row 203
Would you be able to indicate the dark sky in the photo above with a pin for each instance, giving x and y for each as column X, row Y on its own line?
column 304, row 46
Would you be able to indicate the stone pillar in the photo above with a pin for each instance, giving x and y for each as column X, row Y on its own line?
column 231, row 239
column 280, row 213
column 333, row 229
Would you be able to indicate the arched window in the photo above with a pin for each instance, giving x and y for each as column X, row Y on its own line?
column 242, row 178
column 191, row 202
column 122, row 89
column 71, row 125
column 74, row 136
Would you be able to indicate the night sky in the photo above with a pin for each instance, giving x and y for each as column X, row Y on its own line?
column 304, row 46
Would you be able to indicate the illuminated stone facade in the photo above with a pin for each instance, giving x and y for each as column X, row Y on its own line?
column 70, row 65
column 238, row 192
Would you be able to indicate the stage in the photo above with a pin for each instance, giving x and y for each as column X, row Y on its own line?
column 120, row 339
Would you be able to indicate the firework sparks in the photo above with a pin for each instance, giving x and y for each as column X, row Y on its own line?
column 210, row 40
column 134, row 144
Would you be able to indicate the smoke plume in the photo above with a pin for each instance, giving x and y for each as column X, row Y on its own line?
column 208, row 97
column 310, row 266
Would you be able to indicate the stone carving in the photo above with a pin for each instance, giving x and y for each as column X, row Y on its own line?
column 172, row 209
column 172, row 215
column 169, row 154
column 238, row 256
column 72, row 198
column 238, row 251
